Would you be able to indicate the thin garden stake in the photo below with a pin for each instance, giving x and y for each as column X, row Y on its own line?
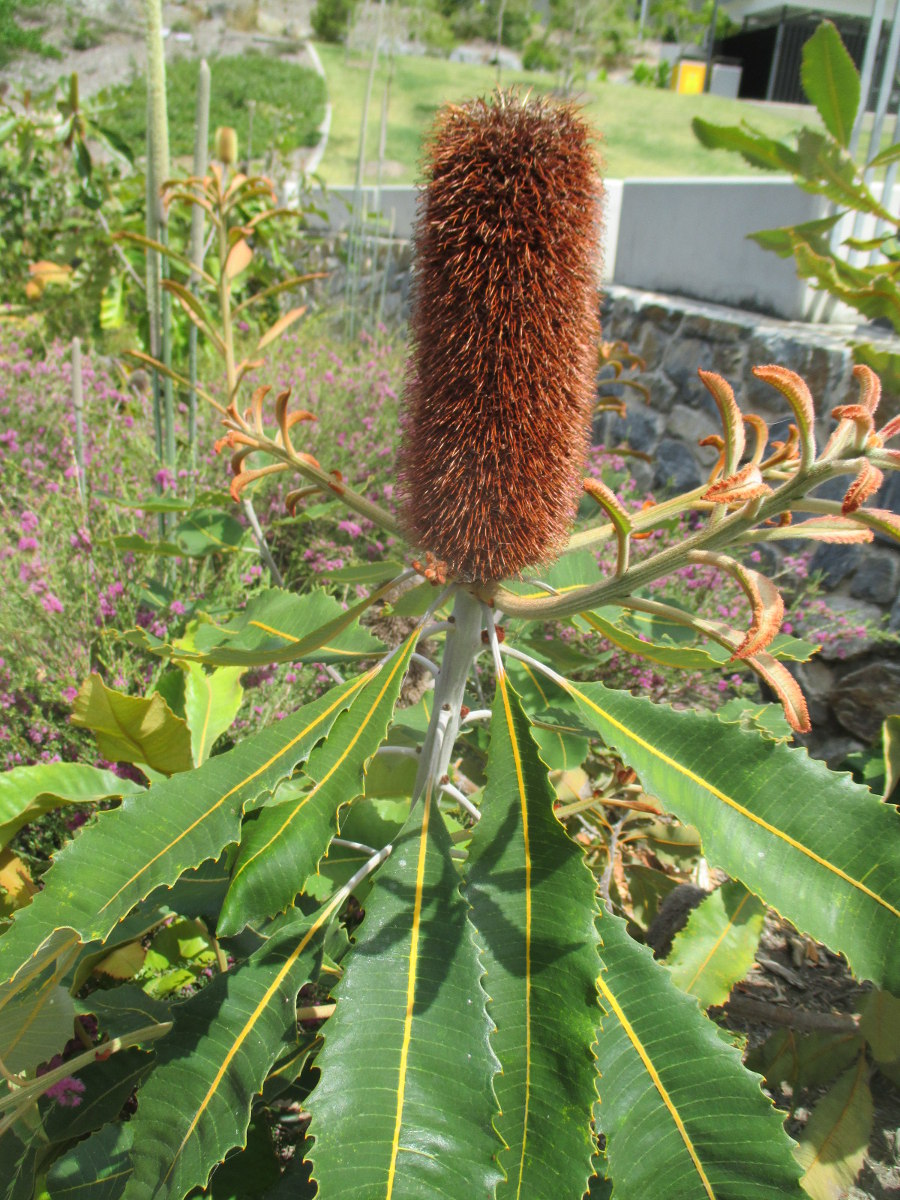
column 78, row 408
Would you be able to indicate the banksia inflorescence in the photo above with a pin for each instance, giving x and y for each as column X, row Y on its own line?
column 504, row 331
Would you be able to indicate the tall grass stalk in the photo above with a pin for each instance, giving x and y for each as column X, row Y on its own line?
column 158, row 171
column 78, row 412
column 201, row 161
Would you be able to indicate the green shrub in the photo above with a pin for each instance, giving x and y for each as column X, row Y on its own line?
column 539, row 55
column 290, row 102
column 331, row 18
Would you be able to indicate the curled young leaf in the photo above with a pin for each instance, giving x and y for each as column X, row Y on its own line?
column 746, row 484
column 732, row 422
column 798, row 396
column 869, row 386
column 765, row 600
column 866, row 483
column 760, row 433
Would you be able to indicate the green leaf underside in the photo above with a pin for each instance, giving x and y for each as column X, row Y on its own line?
column 409, row 1040
column 211, row 702
column 134, row 729
column 880, row 1025
column 823, row 850
column 532, row 903
column 26, row 793
column 284, row 844
column 682, row 1117
column 196, row 1105
column 836, row 1137
column 175, row 826
column 275, row 627
column 717, row 946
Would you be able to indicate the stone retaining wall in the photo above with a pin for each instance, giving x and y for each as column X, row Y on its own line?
column 854, row 682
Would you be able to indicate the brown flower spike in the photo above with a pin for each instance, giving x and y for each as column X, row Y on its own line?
column 504, row 331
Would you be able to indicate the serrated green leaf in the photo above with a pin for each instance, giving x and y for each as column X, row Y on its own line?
column 766, row 719
column 211, row 702
column 207, row 531
column 26, row 793
column 108, row 1083
column 830, row 81
column 275, row 627
column 656, row 639
column 683, row 1118
column 248, row 1173
column 178, row 824
column 35, row 1026
column 18, row 1166
column 196, row 1105
column 136, row 543
column 826, row 169
column 755, row 147
column 133, row 729
column 95, row 1169
column 409, row 1040
column 532, row 903
column 563, row 745
column 369, row 573
column 821, row 849
column 284, row 845
column 833, row 1144
column 717, row 946
column 885, row 157
column 123, row 1010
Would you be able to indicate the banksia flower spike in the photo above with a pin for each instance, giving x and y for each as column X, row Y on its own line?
column 504, row 332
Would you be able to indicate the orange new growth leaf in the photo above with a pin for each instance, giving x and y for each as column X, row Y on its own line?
column 746, row 484
column 504, row 332
column 732, row 422
column 869, row 386
column 866, row 484
column 799, row 397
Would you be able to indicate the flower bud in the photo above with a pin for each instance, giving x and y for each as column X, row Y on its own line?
column 504, row 330
column 225, row 145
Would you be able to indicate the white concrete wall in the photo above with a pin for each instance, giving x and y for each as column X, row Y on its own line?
column 687, row 237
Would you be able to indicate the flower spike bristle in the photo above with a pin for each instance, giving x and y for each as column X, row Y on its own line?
column 504, row 331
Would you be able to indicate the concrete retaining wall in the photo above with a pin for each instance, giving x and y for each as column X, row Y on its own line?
column 685, row 237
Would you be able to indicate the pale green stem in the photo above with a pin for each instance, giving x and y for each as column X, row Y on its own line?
column 666, row 561
column 32, row 1090
column 463, row 643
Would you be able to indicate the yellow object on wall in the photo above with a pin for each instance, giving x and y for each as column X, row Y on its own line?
column 689, row 77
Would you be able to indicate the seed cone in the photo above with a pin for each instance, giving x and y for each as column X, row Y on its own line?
column 504, row 328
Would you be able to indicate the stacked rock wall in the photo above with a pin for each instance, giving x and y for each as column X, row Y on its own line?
column 854, row 681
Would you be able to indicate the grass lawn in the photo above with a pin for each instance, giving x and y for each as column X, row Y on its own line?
column 646, row 131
